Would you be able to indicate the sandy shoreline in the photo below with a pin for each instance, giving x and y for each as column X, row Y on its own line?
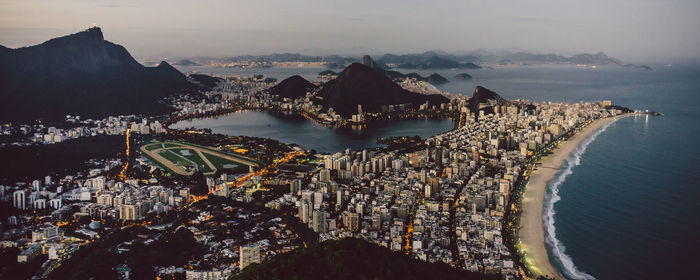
column 532, row 231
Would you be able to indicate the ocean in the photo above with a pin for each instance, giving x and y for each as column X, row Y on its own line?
column 625, row 205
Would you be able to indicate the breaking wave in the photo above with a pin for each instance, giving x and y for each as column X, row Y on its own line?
column 558, row 249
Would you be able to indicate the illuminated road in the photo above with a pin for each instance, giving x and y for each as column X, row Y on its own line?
column 287, row 157
column 122, row 174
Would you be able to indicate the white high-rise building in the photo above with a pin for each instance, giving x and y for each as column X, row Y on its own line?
column 20, row 199
column 55, row 203
column 36, row 184
column 40, row 203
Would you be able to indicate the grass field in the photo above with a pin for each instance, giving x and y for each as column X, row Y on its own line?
column 174, row 158
column 219, row 152
column 181, row 158
column 152, row 147
column 225, row 164
column 193, row 156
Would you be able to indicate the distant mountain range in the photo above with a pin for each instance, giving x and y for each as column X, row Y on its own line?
column 442, row 60
column 427, row 60
column 82, row 74
column 584, row 58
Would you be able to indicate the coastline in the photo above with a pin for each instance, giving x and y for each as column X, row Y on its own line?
column 532, row 231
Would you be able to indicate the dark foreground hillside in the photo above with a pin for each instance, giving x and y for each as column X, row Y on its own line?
column 350, row 258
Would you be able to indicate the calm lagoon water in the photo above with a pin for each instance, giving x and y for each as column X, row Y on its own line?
column 311, row 135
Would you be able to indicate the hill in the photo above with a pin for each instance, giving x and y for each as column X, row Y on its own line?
column 485, row 99
column 82, row 74
column 359, row 84
column 350, row 258
column 327, row 73
column 206, row 80
column 463, row 76
column 292, row 87
column 187, row 62
column 436, row 79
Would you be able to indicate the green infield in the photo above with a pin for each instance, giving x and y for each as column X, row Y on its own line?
column 175, row 158
column 225, row 164
column 151, row 147
column 185, row 158
column 193, row 156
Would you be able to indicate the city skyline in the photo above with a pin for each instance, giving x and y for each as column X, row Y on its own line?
column 652, row 31
column 234, row 139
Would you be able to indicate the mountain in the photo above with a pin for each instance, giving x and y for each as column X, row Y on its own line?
column 327, row 73
column 351, row 258
column 359, row 84
column 206, row 80
column 599, row 59
column 583, row 58
column 436, row 79
column 484, row 99
column 463, row 76
column 292, row 87
column 525, row 57
column 427, row 60
column 186, row 62
column 83, row 74
column 369, row 62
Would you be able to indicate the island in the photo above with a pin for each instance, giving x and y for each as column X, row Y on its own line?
column 463, row 76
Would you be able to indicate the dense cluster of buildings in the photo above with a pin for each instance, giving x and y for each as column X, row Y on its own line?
column 76, row 128
column 444, row 203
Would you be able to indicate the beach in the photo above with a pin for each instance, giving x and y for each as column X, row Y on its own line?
column 532, row 231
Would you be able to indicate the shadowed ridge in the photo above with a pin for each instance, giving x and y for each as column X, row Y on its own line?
column 359, row 84
column 82, row 74
column 292, row 87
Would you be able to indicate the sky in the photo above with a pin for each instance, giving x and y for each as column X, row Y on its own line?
column 632, row 30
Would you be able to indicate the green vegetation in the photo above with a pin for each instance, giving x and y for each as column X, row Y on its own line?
column 155, row 162
column 151, row 147
column 225, row 164
column 174, row 158
column 10, row 269
column 219, row 151
column 193, row 156
column 21, row 163
column 351, row 258
column 99, row 258
column 185, row 154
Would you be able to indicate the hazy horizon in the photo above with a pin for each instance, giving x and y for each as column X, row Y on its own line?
column 633, row 31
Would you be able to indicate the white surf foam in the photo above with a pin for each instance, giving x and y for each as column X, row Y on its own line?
column 557, row 248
